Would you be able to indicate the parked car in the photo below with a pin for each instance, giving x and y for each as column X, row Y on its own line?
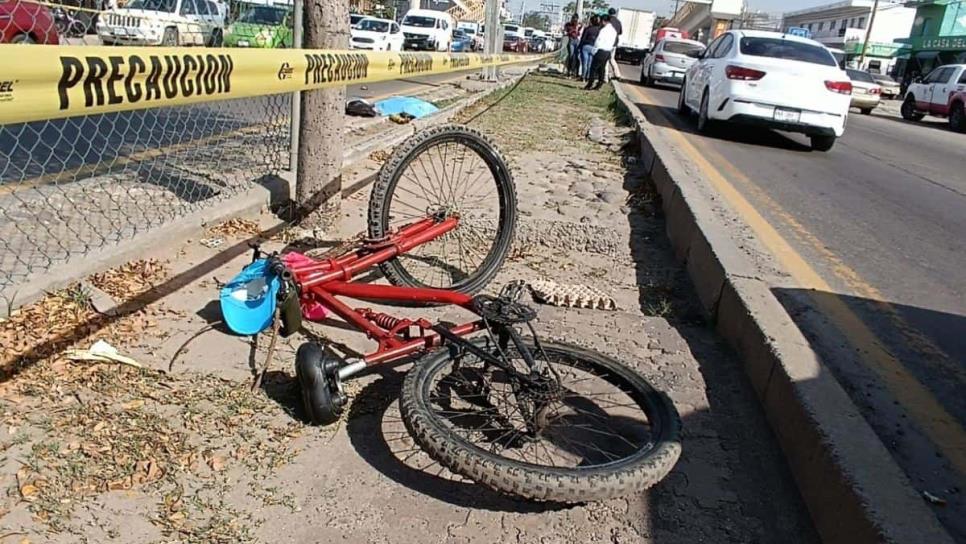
column 866, row 93
column 668, row 61
column 941, row 93
column 164, row 22
column 517, row 44
column 261, row 26
column 427, row 30
column 537, row 44
column 26, row 23
column 474, row 33
column 377, row 35
column 890, row 87
column 462, row 42
column 771, row 80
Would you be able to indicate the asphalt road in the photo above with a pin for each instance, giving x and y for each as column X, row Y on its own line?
column 881, row 219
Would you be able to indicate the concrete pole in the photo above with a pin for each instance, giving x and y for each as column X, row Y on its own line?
column 868, row 33
column 493, row 43
column 318, row 186
column 580, row 10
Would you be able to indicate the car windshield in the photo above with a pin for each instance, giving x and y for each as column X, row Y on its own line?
column 682, row 48
column 779, row 48
column 859, row 75
column 263, row 15
column 469, row 31
column 511, row 28
column 418, row 21
column 153, row 5
column 373, row 25
column 459, row 34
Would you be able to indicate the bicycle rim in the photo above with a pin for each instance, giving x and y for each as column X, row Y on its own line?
column 452, row 172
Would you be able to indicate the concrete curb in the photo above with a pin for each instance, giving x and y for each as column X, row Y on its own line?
column 264, row 193
column 854, row 490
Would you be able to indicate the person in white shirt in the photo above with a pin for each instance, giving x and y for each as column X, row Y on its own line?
column 606, row 40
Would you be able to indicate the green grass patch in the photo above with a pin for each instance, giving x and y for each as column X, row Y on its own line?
column 541, row 111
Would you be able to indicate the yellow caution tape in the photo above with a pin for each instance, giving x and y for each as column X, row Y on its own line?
column 52, row 82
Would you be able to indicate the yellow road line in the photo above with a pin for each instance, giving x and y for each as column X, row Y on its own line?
column 102, row 167
column 940, row 426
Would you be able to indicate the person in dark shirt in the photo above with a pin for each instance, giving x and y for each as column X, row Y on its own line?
column 586, row 46
column 614, row 21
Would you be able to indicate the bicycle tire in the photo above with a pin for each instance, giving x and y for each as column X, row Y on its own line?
column 535, row 482
column 383, row 193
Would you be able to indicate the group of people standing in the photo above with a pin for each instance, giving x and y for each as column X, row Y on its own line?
column 590, row 46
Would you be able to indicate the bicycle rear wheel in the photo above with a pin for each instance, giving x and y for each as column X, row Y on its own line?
column 444, row 171
column 606, row 433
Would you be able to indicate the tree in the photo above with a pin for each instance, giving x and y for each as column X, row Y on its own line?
column 318, row 187
column 537, row 20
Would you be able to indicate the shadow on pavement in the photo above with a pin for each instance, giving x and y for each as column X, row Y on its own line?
column 679, row 506
column 930, row 346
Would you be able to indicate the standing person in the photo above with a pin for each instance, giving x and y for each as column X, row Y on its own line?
column 615, row 22
column 572, row 30
column 606, row 40
column 586, row 46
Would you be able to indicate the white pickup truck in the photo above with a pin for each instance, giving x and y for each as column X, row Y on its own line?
column 942, row 93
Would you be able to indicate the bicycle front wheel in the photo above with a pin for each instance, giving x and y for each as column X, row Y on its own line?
column 606, row 432
column 449, row 170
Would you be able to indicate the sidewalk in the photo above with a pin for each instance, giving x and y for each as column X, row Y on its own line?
column 111, row 454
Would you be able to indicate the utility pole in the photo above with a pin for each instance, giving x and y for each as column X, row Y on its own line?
column 318, row 186
column 492, row 44
column 868, row 33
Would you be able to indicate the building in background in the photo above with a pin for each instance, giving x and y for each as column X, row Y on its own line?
column 937, row 37
column 705, row 20
column 844, row 25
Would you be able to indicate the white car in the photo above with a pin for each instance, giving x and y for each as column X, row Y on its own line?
column 164, row 22
column 377, row 35
column 668, row 61
column 772, row 80
column 427, row 30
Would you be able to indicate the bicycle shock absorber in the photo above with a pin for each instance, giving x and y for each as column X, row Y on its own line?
column 385, row 321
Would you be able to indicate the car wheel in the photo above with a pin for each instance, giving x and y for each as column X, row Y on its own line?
column 866, row 111
column 705, row 124
column 957, row 117
column 908, row 109
column 822, row 142
column 683, row 108
column 170, row 37
column 23, row 39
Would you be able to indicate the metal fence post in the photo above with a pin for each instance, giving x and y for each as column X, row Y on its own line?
column 296, row 115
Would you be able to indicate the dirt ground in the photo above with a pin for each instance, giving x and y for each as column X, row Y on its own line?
column 110, row 453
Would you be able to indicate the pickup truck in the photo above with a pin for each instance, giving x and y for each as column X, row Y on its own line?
column 942, row 93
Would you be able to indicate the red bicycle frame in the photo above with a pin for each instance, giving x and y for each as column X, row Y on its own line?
column 397, row 337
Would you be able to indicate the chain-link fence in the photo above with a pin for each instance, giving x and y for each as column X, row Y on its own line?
column 70, row 186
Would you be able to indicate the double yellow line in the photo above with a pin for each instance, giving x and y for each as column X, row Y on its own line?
column 930, row 416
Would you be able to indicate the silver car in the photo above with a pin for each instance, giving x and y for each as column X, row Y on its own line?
column 668, row 61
